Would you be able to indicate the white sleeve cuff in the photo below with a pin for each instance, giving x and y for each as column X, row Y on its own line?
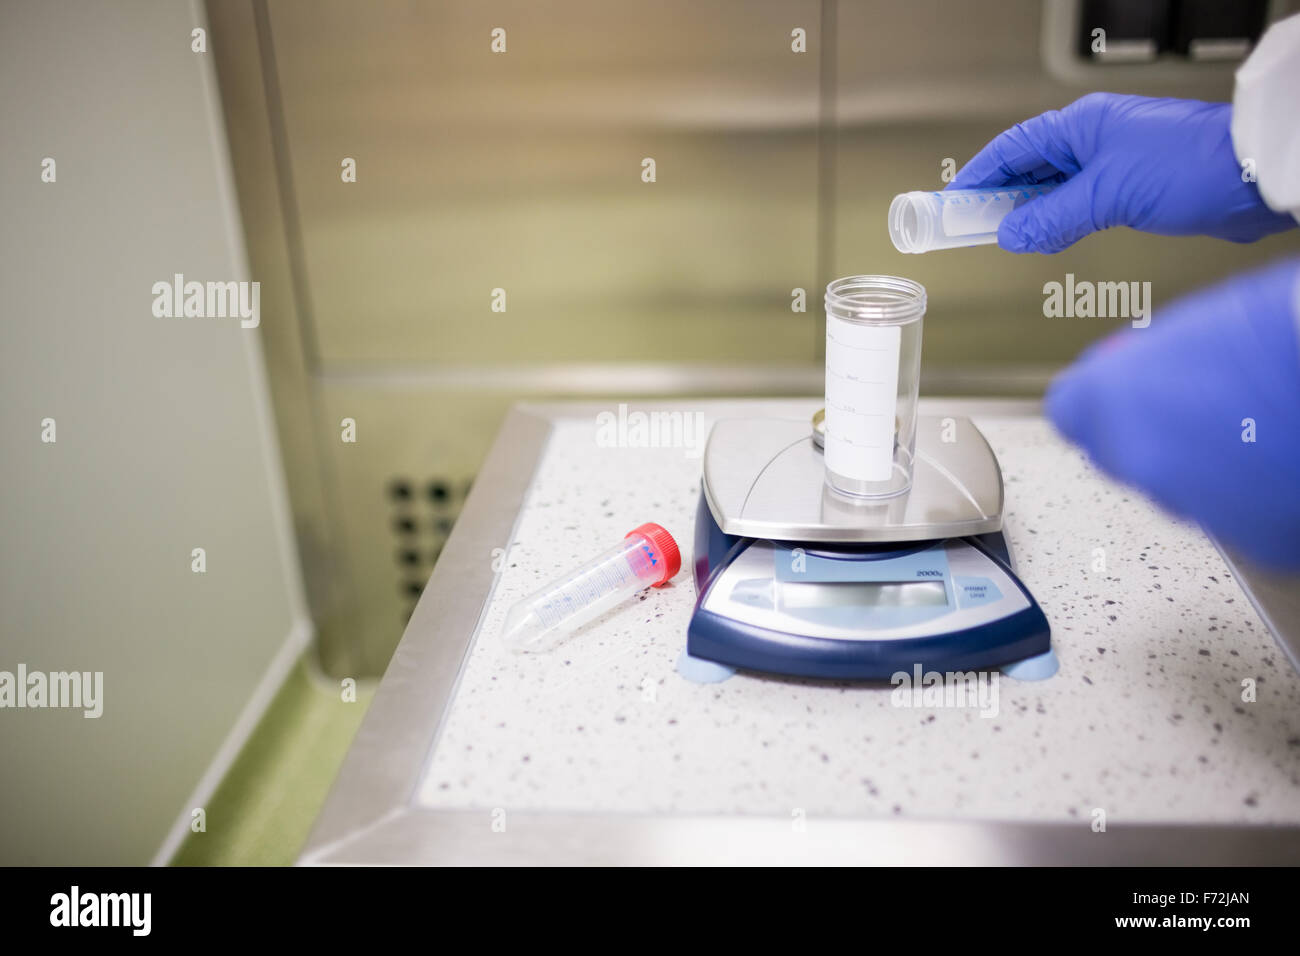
column 1266, row 115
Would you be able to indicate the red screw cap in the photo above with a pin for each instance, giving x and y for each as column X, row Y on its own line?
column 664, row 546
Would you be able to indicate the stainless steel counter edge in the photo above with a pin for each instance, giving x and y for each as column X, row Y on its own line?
column 387, row 757
column 1275, row 597
column 370, row 816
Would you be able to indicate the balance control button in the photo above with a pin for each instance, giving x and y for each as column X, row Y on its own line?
column 972, row 592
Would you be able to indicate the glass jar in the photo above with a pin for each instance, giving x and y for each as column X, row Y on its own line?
column 873, row 366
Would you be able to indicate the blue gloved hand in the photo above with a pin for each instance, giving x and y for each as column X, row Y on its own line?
column 1165, row 408
column 1160, row 165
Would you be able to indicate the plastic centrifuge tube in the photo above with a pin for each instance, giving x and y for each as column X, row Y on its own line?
column 924, row 221
column 647, row 557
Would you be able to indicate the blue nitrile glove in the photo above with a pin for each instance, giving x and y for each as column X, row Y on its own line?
column 1164, row 408
column 1160, row 165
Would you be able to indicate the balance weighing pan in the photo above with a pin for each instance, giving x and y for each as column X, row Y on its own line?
column 765, row 478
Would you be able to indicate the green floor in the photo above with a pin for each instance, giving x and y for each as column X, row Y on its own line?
column 264, row 808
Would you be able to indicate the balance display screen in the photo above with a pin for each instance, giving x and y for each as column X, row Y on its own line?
column 812, row 594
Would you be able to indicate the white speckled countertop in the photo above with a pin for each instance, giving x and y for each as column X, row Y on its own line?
column 1144, row 719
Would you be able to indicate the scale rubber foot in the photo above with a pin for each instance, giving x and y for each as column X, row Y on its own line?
column 1033, row 668
column 699, row 671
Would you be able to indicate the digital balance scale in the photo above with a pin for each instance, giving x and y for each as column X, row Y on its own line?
column 795, row 579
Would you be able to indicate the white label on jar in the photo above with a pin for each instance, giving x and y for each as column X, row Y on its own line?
column 861, row 394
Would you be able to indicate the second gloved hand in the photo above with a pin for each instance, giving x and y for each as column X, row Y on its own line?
column 1201, row 411
column 1164, row 166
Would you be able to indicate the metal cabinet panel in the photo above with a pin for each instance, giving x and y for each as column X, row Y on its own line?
column 522, row 171
column 402, row 484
